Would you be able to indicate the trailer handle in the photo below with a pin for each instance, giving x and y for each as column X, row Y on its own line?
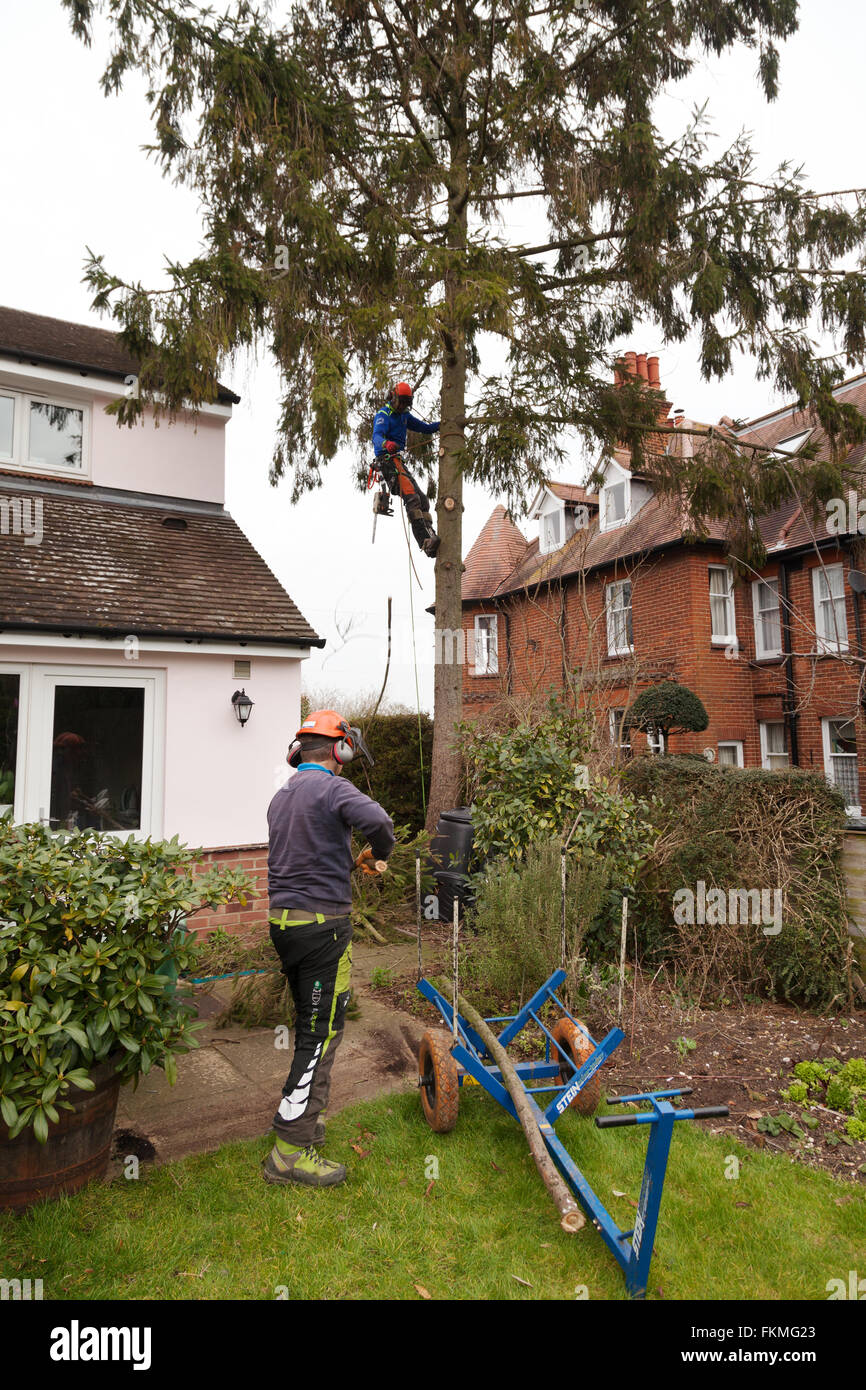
column 706, row 1112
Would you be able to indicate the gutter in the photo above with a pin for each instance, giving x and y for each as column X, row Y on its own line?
column 76, row 628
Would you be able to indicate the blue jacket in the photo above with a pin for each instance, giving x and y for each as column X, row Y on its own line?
column 389, row 425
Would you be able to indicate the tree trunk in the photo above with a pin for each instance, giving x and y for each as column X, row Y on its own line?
column 573, row 1218
column 448, row 646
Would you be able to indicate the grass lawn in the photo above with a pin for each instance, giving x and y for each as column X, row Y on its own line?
column 209, row 1227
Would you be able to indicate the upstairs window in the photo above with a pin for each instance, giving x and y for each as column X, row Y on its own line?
column 39, row 434
column 552, row 532
column 831, row 627
column 614, row 504
column 620, row 637
column 768, row 623
column 724, row 623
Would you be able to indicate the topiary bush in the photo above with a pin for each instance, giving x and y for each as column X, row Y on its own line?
column 667, row 708
column 737, row 830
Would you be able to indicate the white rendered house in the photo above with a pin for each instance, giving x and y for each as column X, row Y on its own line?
column 132, row 609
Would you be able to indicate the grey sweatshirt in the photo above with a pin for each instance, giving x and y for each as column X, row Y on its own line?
column 310, row 823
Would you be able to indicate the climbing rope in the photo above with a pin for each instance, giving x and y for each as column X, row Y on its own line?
column 415, row 661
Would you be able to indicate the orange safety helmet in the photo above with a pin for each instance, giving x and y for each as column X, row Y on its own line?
column 327, row 723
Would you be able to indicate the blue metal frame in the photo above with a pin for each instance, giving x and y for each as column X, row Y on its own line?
column 633, row 1248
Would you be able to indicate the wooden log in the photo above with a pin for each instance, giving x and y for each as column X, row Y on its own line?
column 572, row 1218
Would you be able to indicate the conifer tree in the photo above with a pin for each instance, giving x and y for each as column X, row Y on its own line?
column 358, row 162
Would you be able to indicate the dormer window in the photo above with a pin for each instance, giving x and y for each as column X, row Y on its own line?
column 615, row 497
column 551, row 531
column 41, row 434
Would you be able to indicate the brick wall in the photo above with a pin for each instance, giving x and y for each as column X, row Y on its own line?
column 234, row 918
column 673, row 641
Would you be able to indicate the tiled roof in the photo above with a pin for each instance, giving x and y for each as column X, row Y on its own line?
column 497, row 549
column 55, row 342
column 660, row 522
column 112, row 566
column 571, row 492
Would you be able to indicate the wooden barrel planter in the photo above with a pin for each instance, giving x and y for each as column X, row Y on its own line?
column 76, row 1151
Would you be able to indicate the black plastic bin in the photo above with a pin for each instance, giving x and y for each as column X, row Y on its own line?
column 451, row 853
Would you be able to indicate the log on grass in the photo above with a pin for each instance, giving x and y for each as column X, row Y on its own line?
column 572, row 1218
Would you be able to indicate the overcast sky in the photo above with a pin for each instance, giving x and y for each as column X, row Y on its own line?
column 74, row 176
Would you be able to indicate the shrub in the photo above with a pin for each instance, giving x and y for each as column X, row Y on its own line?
column 813, row 1073
column 88, row 948
column 730, row 827
column 796, row 1092
column 856, row 1130
column 395, row 779
column 387, row 895
column 518, row 921
column 854, row 1073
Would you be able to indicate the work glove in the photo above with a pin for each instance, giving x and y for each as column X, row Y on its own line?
column 391, row 446
column 369, row 866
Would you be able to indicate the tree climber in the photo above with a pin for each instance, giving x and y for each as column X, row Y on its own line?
column 389, row 441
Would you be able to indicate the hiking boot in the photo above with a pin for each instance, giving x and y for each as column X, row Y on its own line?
column 431, row 545
column 303, row 1166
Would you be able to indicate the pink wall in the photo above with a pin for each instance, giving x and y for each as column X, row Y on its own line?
column 184, row 459
column 217, row 777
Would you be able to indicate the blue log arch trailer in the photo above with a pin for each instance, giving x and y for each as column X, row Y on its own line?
column 633, row 1248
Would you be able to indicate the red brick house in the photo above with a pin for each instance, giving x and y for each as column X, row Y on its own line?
column 610, row 594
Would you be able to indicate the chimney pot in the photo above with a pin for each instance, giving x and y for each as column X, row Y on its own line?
column 641, row 366
column 653, row 370
column 631, row 363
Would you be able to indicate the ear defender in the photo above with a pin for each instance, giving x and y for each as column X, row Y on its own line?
column 293, row 757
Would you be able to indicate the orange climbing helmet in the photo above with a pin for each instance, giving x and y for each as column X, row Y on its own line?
column 327, row 723
column 402, row 397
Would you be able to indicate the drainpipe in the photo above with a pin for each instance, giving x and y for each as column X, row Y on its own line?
column 509, row 674
column 789, row 699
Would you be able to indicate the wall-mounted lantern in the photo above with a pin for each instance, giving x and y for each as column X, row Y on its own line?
column 242, row 705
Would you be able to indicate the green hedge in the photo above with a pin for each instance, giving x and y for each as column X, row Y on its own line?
column 395, row 781
column 745, row 829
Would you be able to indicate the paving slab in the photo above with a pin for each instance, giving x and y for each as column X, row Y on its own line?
column 229, row 1087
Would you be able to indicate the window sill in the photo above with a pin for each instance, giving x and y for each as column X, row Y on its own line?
column 775, row 659
column 619, row 656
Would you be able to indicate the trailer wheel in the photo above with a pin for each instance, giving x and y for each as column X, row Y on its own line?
column 577, row 1046
column 437, row 1079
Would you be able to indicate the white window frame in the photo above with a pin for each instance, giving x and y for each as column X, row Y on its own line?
column 766, row 754
column 726, row 639
column 611, row 593
column 19, row 459
column 836, row 642
column 604, row 524
column 22, row 671
column 762, row 653
column 619, row 737
column 853, row 810
column 486, row 644
column 39, row 729
column 548, row 514
column 737, row 745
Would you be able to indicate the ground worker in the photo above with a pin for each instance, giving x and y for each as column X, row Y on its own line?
column 389, row 441
column 310, row 823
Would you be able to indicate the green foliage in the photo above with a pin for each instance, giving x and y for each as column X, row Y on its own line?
column 355, row 167
column 856, row 1130
column 524, row 788
column 518, row 921
column 376, row 899
column 736, row 828
column 89, row 949
column 395, row 780
column 381, row 977
column 667, row 708
column 775, row 1124
column 854, row 1073
column 685, row 1046
column 796, row 1093
column 813, row 1073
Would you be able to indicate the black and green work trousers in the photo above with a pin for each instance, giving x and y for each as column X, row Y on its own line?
column 317, row 962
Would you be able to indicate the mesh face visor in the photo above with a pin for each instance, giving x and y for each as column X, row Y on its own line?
column 360, row 745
